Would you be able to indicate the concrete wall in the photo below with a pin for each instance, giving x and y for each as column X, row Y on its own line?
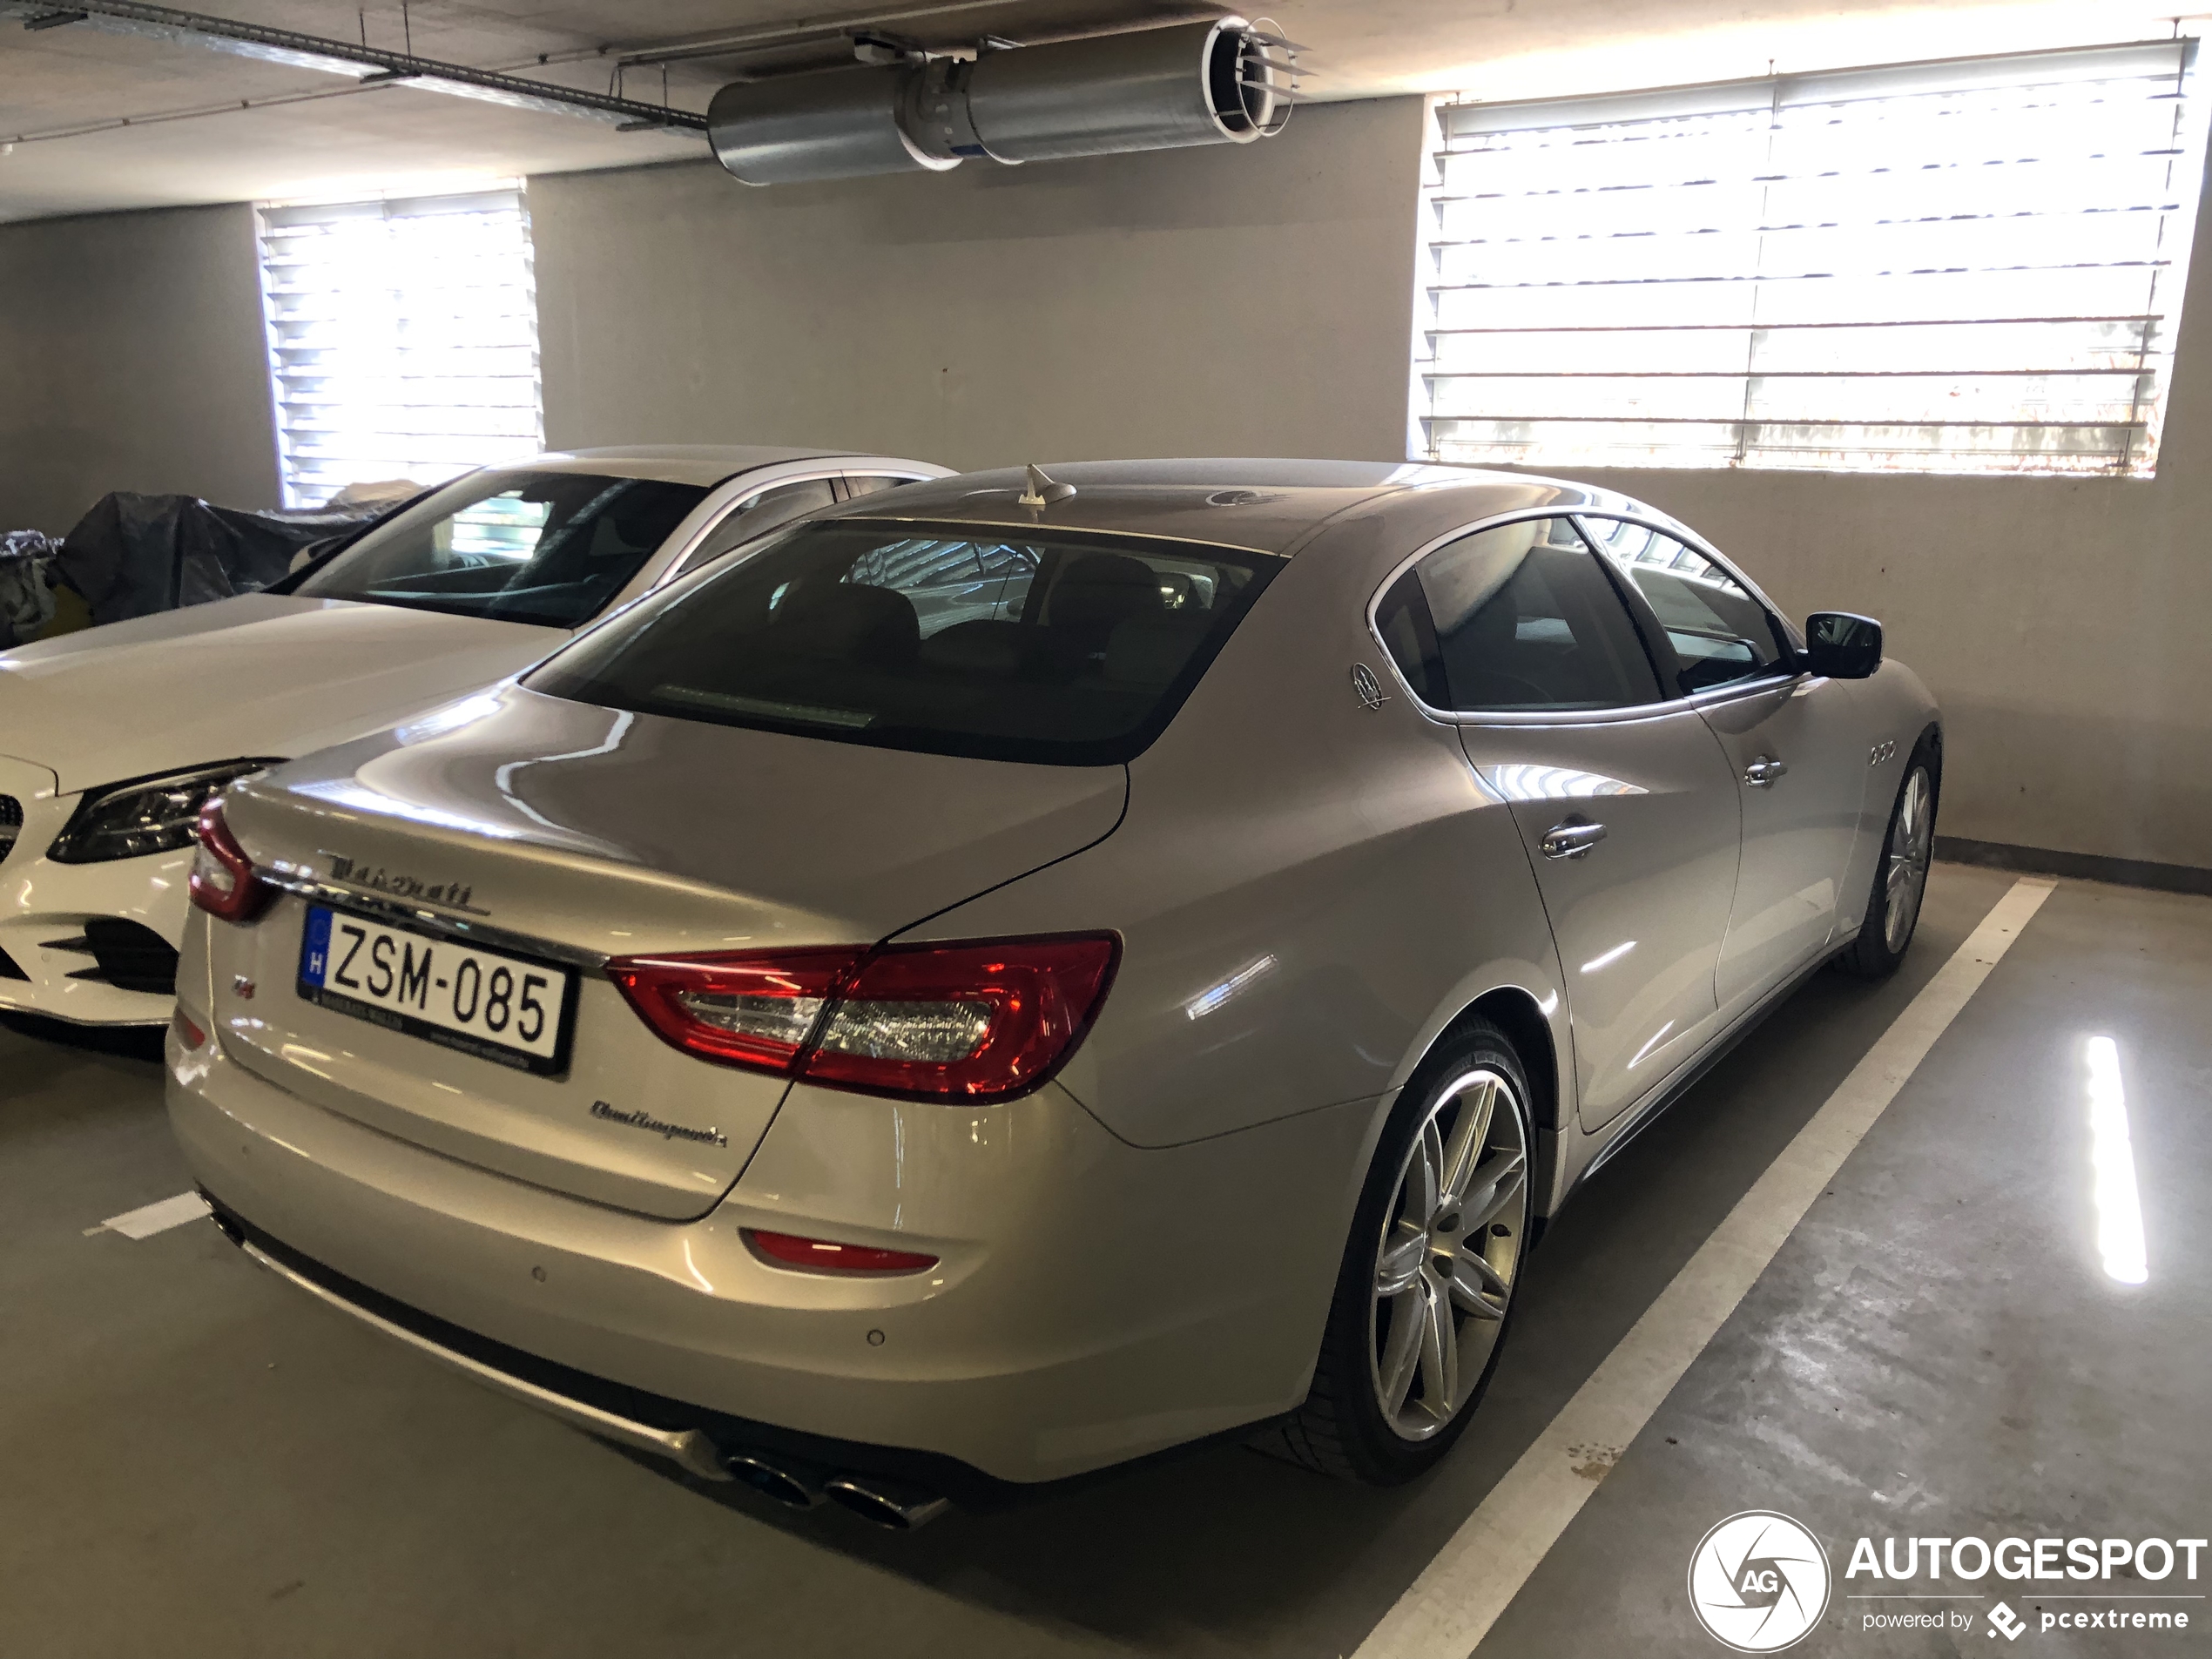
column 2065, row 624
column 131, row 357
column 1207, row 301
column 1221, row 301
column 1258, row 302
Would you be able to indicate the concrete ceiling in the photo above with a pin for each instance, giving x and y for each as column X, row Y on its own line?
column 92, row 122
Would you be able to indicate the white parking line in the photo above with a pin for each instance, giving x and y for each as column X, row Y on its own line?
column 152, row 1218
column 1451, row 1607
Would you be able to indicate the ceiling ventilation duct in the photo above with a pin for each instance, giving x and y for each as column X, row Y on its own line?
column 1219, row 81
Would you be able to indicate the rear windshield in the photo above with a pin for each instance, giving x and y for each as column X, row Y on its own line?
column 550, row 548
column 1052, row 647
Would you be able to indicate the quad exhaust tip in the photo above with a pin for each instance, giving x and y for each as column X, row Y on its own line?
column 894, row 1504
column 783, row 1483
column 897, row 1505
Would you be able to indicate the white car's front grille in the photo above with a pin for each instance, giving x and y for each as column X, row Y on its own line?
column 10, row 823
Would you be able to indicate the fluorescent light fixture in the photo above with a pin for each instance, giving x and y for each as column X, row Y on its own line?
column 2111, row 1163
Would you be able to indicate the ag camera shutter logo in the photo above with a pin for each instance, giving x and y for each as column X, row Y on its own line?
column 1758, row 1581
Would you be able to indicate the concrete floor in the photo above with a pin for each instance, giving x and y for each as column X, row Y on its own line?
column 195, row 1459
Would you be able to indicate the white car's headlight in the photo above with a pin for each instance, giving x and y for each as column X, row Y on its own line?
column 147, row 815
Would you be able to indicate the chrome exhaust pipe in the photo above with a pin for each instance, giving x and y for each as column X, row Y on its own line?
column 887, row 1503
column 794, row 1486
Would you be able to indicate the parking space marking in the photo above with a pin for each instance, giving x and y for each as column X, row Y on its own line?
column 149, row 1219
column 1447, row 1610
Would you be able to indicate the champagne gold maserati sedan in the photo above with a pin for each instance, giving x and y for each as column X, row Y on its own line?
column 1025, row 971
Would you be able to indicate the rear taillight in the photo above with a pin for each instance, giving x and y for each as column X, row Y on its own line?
column 223, row 880
column 825, row 1255
column 966, row 1022
column 752, row 1008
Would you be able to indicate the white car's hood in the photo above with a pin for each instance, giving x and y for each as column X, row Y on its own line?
column 262, row 674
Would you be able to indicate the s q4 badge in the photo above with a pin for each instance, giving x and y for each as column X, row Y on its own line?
column 1367, row 687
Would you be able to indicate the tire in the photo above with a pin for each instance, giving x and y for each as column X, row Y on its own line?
column 1380, row 1345
column 1900, row 872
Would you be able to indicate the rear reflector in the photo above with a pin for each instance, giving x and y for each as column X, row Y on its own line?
column 223, row 880
column 977, row 1021
column 824, row 1256
column 188, row 1034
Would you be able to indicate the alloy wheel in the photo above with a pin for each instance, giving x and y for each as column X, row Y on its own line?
column 1906, row 871
column 1445, row 1262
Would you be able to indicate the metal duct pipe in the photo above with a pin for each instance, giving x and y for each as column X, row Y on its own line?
column 1150, row 88
column 1154, row 89
column 842, row 125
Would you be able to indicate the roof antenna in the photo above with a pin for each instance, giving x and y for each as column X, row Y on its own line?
column 1042, row 491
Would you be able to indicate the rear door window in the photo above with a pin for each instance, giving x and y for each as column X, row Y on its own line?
column 759, row 514
column 870, row 483
column 1720, row 634
column 1518, row 618
column 1059, row 648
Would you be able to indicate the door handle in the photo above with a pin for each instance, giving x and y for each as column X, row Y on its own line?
column 1572, row 839
column 1763, row 771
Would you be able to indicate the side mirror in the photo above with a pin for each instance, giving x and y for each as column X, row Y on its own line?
column 1842, row 646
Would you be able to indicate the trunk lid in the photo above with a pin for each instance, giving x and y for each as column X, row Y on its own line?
column 563, row 832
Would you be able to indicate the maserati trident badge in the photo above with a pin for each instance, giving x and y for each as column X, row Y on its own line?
column 1367, row 687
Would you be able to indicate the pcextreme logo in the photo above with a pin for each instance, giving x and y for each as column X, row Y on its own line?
column 1758, row 1581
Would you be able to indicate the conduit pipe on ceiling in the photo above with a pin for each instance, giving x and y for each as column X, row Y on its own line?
column 1223, row 81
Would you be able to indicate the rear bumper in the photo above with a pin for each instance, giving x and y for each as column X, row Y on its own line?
column 1089, row 1309
column 688, row 1446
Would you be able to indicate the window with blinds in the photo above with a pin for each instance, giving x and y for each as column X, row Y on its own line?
column 402, row 338
column 1969, row 267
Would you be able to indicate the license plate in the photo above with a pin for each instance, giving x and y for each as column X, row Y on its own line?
column 485, row 1002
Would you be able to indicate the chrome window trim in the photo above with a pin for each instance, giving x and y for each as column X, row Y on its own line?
column 1700, row 546
column 970, row 527
column 1629, row 713
column 1785, row 672
column 1551, row 717
column 291, row 879
column 725, row 498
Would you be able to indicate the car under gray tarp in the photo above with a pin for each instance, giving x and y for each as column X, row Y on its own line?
column 133, row 555
column 26, row 585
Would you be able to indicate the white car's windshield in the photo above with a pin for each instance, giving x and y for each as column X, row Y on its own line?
column 515, row 545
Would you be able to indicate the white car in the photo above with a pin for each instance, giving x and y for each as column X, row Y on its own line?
column 111, row 739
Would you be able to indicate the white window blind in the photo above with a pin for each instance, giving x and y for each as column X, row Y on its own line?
column 1970, row 266
column 402, row 338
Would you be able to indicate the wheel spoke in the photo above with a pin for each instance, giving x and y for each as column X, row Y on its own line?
column 1440, row 1353
column 1423, row 1178
column 1467, row 1137
column 1495, row 1185
column 1400, row 1261
column 1479, row 1288
column 1402, row 1349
